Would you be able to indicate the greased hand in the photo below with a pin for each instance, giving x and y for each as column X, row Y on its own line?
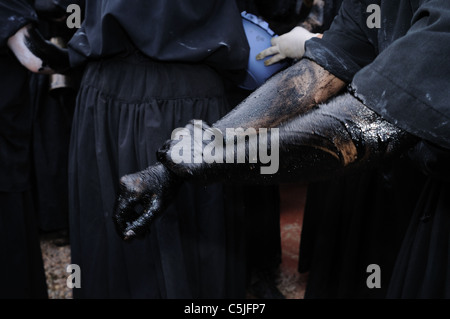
column 142, row 197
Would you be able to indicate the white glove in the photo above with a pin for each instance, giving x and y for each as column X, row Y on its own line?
column 289, row 45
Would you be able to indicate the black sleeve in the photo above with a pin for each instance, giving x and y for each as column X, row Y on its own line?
column 208, row 31
column 347, row 46
column 13, row 16
column 409, row 82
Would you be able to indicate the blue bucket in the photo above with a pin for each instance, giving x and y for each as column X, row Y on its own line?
column 258, row 36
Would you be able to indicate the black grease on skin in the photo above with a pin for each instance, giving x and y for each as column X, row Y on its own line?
column 141, row 197
column 287, row 94
column 329, row 141
column 316, row 141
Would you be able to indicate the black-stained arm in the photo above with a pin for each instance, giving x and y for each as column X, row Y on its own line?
column 316, row 140
column 290, row 93
column 336, row 137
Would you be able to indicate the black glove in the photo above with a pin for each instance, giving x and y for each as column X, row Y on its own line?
column 37, row 54
column 142, row 196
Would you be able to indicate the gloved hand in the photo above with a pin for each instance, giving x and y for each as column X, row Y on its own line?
column 37, row 54
column 142, row 196
column 289, row 45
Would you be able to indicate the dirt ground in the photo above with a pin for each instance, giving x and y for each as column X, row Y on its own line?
column 56, row 255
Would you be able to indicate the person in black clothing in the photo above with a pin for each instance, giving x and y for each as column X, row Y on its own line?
column 53, row 99
column 149, row 67
column 394, row 104
column 342, row 236
column 22, row 271
column 262, row 202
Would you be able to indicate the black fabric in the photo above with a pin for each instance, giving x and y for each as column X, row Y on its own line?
column 127, row 107
column 14, row 15
column 346, row 47
column 52, row 121
column 21, row 270
column 422, row 268
column 283, row 16
column 412, row 72
column 164, row 30
column 263, row 234
column 15, row 125
column 403, row 63
column 353, row 222
column 401, row 72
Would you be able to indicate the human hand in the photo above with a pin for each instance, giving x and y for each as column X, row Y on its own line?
column 142, row 197
column 37, row 54
column 193, row 154
column 289, row 45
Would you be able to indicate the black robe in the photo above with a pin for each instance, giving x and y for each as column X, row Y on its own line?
column 53, row 110
column 173, row 31
column 151, row 66
column 401, row 72
column 21, row 270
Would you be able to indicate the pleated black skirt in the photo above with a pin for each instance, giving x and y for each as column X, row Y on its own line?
column 126, row 108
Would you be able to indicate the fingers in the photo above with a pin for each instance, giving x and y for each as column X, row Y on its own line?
column 140, row 226
column 276, row 58
column 140, row 199
column 267, row 52
column 124, row 209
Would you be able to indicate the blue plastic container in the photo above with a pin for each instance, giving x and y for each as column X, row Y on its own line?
column 258, row 35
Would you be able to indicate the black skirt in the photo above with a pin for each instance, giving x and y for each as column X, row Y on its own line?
column 21, row 268
column 356, row 221
column 422, row 269
column 126, row 108
column 50, row 147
